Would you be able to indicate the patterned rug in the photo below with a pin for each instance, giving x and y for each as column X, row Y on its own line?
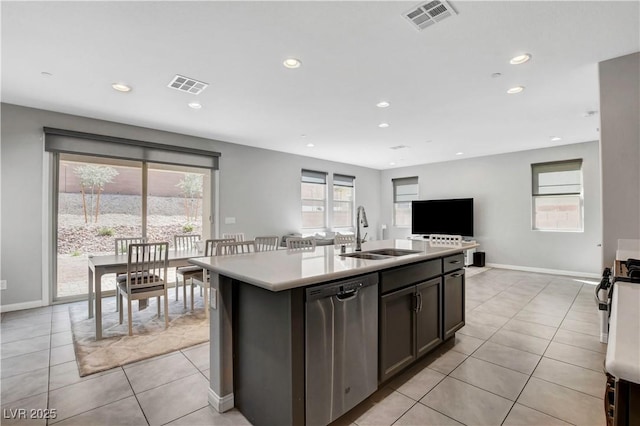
column 150, row 338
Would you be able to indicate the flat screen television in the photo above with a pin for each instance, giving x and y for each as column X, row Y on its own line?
column 450, row 217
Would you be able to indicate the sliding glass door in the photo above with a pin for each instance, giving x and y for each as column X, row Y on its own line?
column 101, row 199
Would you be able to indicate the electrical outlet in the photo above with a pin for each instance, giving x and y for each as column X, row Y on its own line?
column 3, row 284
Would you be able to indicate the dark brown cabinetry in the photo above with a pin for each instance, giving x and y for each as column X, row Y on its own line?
column 453, row 306
column 410, row 315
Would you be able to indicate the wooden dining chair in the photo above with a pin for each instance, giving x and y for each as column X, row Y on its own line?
column 182, row 243
column 122, row 244
column 306, row 243
column 193, row 274
column 146, row 277
column 236, row 247
column 239, row 236
column 344, row 239
column 269, row 243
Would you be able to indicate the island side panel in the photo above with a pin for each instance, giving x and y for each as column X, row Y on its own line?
column 268, row 354
column 220, row 346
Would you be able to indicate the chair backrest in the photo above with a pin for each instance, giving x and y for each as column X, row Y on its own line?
column 236, row 247
column 210, row 245
column 185, row 241
column 237, row 236
column 147, row 265
column 122, row 244
column 301, row 243
column 269, row 243
column 344, row 239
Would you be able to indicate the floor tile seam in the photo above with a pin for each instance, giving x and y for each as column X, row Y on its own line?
column 136, row 397
column 526, row 335
column 440, row 412
column 189, row 359
column 580, row 347
column 5, row 403
column 575, row 365
column 425, row 394
column 544, row 412
column 105, row 373
column 163, row 384
column 92, row 409
column 28, row 353
column 569, row 387
column 481, row 388
column 508, row 368
column 24, row 372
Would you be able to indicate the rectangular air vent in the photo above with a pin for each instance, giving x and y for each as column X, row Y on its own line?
column 426, row 14
column 398, row 147
column 186, row 84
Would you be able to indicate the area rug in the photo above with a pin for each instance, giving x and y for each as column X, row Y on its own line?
column 150, row 338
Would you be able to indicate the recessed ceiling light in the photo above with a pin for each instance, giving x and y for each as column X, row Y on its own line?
column 310, row 145
column 556, row 139
column 392, row 163
column 46, row 74
column 120, row 87
column 383, row 125
column 383, row 104
column 514, row 90
column 195, row 105
column 292, row 63
column 520, row 59
column 459, row 153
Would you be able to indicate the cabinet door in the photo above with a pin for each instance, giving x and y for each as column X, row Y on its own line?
column 397, row 331
column 453, row 303
column 428, row 318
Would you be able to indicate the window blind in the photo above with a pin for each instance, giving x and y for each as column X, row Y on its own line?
column 71, row 142
column 311, row 176
column 405, row 189
column 557, row 178
column 343, row 180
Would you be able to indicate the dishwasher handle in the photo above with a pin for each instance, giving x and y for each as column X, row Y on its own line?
column 347, row 295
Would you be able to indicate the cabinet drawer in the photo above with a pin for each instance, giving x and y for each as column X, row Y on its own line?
column 411, row 274
column 451, row 263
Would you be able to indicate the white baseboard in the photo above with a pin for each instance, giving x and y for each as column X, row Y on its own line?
column 545, row 270
column 23, row 305
column 220, row 404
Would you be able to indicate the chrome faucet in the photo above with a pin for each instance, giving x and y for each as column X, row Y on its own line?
column 360, row 211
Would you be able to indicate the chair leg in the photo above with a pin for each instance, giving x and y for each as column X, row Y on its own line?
column 184, row 291
column 178, row 284
column 129, row 316
column 120, row 311
column 158, row 303
column 166, row 312
column 192, row 295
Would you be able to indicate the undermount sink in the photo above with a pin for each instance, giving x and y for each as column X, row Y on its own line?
column 393, row 252
column 380, row 254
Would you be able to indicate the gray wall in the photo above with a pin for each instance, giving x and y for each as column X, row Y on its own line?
column 260, row 188
column 501, row 188
column 620, row 151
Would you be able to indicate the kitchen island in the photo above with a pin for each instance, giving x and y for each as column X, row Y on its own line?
column 257, row 317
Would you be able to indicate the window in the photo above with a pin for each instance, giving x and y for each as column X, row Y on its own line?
column 343, row 200
column 405, row 190
column 313, row 193
column 557, row 196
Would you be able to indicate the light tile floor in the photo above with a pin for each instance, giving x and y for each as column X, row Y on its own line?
column 528, row 355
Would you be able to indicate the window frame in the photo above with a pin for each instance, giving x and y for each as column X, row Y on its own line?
column 344, row 181
column 314, row 177
column 538, row 191
column 396, row 184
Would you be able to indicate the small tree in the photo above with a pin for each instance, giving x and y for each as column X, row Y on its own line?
column 93, row 178
column 191, row 187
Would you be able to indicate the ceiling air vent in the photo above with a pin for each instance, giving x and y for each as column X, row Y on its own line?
column 186, row 84
column 398, row 147
column 426, row 14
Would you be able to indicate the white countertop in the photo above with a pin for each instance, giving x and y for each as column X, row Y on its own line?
column 286, row 269
column 623, row 349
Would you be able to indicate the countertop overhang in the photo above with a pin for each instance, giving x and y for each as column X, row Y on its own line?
column 287, row 269
column 623, row 348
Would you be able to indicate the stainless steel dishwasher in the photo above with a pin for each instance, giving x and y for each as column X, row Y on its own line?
column 341, row 347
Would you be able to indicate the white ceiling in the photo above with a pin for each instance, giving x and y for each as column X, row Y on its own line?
column 354, row 54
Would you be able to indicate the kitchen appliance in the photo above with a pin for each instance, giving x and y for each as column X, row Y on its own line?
column 341, row 347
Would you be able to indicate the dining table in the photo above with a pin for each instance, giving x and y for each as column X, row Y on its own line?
column 115, row 264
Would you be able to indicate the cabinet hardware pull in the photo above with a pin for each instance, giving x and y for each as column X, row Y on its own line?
column 456, row 275
column 417, row 305
column 454, row 262
column 420, row 299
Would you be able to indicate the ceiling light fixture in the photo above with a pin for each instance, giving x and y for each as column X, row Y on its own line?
column 514, row 90
column 310, row 145
column 194, row 105
column 292, row 63
column 121, row 87
column 459, row 153
column 520, row 59
column 392, row 163
column 556, row 139
column 383, row 104
column 383, row 125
